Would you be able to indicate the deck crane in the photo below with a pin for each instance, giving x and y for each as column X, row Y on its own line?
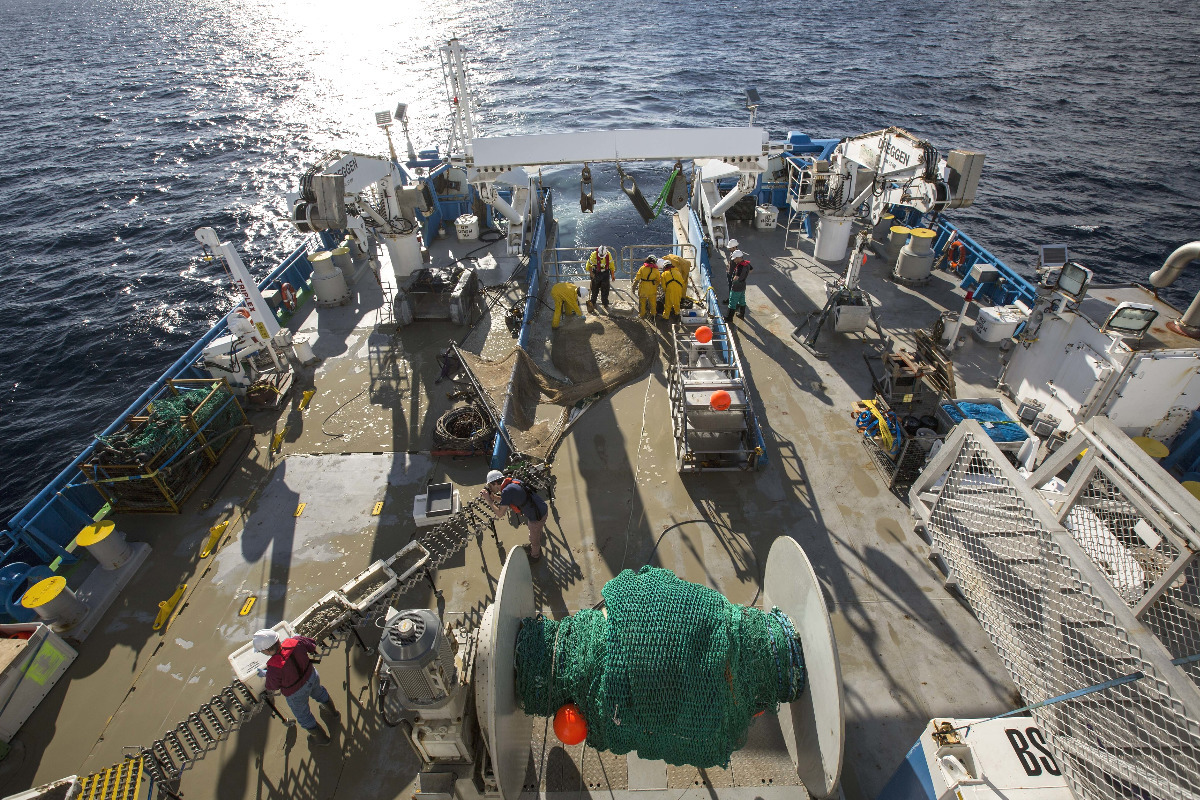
column 890, row 167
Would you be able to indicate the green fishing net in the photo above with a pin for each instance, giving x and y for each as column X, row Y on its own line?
column 674, row 671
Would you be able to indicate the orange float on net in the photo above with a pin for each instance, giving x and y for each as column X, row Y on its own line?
column 569, row 725
column 720, row 400
column 704, row 334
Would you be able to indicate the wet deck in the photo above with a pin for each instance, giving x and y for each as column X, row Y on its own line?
column 909, row 650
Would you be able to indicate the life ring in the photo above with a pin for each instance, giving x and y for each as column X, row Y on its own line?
column 287, row 295
column 957, row 253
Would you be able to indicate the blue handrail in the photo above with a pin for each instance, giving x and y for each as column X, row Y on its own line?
column 48, row 522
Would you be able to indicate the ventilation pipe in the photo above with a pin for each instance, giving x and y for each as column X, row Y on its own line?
column 1189, row 323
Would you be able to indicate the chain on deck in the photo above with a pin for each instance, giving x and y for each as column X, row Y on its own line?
column 166, row 759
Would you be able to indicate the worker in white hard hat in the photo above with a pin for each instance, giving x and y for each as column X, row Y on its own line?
column 566, row 298
column 290, row 671
column 673, row 286
column 512, row 492
column 601, row 267
column 646, row 283
column 734, row 258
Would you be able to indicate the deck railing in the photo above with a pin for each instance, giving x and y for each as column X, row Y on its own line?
column 42, row 530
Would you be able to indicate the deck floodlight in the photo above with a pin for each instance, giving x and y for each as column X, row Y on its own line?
column 401, row 111
column 1130, row 319
column 752, row 101
column 1073, row 280
column 383, row 118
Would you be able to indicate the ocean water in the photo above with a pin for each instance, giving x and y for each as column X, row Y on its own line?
column 127, row 125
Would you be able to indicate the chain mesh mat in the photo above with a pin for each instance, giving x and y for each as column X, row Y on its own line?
column 674, row 670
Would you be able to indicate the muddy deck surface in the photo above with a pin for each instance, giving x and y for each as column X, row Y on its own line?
column 909, row 650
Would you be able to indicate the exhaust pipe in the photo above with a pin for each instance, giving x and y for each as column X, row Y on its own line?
column 1189, row 323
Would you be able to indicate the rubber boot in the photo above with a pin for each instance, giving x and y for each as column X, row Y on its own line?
column 729, row 317
column 317, row 736
column 330, row 709
column 591, row 307
column 742, row 312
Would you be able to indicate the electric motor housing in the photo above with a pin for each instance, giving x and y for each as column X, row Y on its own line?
column 420, row 658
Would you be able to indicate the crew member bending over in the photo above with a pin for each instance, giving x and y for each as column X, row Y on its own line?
column 290, row 671
column 601, row 269
column 647, row 282
column 673, row 285
column 502, row 491
column 566, row 296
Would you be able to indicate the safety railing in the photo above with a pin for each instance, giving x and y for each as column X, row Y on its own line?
column 43, row 529
column 1009, row 289
column 1065, row 584
column 702, row 276
column 533, row 283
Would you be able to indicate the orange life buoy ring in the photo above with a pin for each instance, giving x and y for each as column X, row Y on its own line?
column 288, row 296
column 957, row 253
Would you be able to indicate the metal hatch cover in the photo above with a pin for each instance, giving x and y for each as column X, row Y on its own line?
column 507, row 728
column 814, row 725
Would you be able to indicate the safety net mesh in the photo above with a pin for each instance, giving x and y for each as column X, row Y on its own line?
column 673, row 670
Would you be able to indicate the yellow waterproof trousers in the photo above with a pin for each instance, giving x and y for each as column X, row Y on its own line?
column 673, row 289
column 565, row 296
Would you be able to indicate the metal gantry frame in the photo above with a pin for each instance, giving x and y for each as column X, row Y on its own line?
column 707, row 439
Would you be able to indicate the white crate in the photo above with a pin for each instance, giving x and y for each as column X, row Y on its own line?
column 246, row 661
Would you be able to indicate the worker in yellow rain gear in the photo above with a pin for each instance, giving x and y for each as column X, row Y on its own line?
column 673, row 285
column 646, row 282
column 566, row 296
column 601, row 268
column 680, row 263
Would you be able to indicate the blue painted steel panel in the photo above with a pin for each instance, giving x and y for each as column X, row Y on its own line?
column 911, row 780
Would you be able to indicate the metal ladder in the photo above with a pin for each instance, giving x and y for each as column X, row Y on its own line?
column 794, row 231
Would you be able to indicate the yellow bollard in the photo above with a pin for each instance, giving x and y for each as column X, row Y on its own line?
column 166, row 607
column 214, row 535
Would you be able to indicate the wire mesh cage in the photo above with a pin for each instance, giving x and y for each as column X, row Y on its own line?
column 1078, row 588
column 161, row 454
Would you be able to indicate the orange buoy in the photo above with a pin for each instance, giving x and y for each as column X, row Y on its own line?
column 704, row 334
column 569, row 725
column 720, row 400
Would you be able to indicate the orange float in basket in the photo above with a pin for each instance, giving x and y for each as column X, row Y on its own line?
column 704, row 334
column 720, row 400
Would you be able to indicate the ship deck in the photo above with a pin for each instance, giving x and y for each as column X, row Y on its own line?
column 909, row 649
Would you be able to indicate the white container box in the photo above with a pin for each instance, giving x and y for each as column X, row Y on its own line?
column 29, row 668
column 765, row 217
column 997, row 323
column 467, row 227
column 246, row 661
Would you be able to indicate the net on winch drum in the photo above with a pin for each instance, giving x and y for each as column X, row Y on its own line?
column 674, row 670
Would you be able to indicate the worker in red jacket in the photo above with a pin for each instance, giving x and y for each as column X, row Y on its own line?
column 290, row 671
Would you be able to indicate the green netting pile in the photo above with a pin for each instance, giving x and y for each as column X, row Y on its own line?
column 164, row 428
column 674, row 671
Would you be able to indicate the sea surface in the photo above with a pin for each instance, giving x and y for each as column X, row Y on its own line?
column 127, row 125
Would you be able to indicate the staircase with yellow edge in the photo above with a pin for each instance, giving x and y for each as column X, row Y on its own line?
column 124, row 781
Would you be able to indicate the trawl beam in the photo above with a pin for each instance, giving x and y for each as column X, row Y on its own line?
column 743, row 145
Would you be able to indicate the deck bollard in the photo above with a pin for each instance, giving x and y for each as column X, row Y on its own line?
column 54, row 602
column 106, row 544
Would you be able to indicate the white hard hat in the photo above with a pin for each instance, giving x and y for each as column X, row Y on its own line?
column 495, row 475
column 602, row 250
column 737, row 254
column 265, row 639
column 663, row 263
column 732, row 243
